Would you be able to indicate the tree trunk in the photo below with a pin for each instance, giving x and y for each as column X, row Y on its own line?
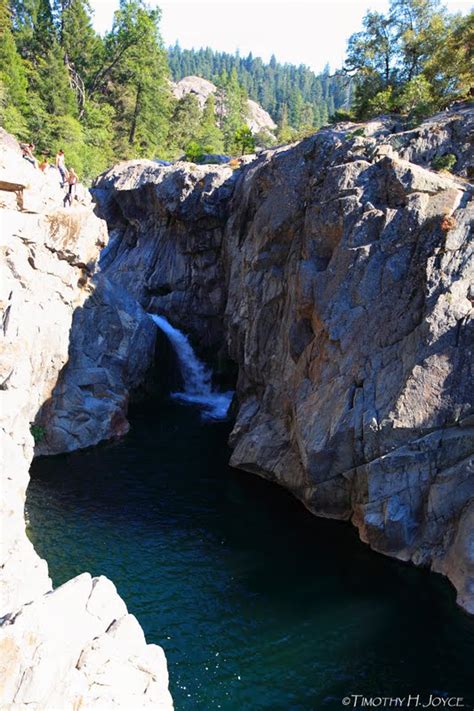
column 136, row 113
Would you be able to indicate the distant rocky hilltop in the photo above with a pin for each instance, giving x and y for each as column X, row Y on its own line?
column 257, row 119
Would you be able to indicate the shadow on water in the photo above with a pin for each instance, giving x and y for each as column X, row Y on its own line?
column 258, row 604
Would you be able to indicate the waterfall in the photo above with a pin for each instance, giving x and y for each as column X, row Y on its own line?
column 196, row 376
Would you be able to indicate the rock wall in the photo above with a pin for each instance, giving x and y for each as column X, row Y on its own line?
column 337, row 275
column 166, row 226
column 350, row 314
column 77, row 646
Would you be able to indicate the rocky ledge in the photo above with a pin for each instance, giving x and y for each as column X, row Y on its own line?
column 75, row 647
column 337, row 275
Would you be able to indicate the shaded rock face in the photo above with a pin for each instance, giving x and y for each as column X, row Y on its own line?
column 344, row 276
column 111, row 352
column 166, row 226
column 70, row 647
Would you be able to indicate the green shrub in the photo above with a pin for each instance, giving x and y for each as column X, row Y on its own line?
column 194, row 152
column 353, row 134
column 446, row 162
column 341, row 115
column 38, row 433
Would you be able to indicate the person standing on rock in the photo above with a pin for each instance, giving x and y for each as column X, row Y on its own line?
column 71, row 180
column 27, row 149
column 61, row 166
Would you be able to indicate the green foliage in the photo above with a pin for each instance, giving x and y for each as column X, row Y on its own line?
column 234, row 108
column 38, row 432
column 414, row 60
column 185, row 124
column 134, row 75
column 210, row 135
column 307, row 99
column 194, row 152
column 12, row 69
column 63, row 86
column 446, row 162
column 381, row 103
column 341, row 115
column 244, row 140
column 449, row 68
column 416, row 98
column 103, row 99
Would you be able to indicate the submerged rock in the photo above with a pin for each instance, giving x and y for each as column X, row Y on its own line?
column 337, row 275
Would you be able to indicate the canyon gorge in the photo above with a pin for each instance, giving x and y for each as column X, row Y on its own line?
column 331, row 281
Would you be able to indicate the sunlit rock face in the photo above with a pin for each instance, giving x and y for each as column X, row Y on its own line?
column 67, row 648
column 337, row 275
column 349, row 311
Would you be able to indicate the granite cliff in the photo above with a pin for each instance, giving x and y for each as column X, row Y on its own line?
column 76, row 646
column 337, row 275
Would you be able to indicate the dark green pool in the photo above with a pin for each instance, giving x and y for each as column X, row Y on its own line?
column 257, row 604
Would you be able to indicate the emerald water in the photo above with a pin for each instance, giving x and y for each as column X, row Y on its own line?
column 258, row 604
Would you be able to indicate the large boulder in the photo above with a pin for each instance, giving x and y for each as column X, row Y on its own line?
column 166, row 225
column 349, row 312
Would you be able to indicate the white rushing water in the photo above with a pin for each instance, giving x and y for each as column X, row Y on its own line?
column 196, row 376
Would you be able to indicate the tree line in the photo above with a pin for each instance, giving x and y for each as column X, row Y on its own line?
column 107, row 98
column 296, row 98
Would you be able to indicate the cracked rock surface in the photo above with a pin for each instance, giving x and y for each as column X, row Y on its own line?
column 337, row 274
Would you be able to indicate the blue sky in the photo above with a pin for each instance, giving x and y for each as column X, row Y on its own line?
column 310, row 32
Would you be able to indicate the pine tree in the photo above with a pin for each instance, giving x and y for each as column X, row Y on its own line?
column 233, row 109
column 134, row 75
column 285, row 133
column 185, row 124
column 13, row 79
column 210, row 137
column 33, row 27
column 80, row 57
column 244, row 141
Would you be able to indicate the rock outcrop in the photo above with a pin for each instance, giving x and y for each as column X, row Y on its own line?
column 78, row 648
column 337, row 274
column 67, row 648
column 257, row 119
column 166, row 227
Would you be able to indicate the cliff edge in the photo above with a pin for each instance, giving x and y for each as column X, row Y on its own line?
column 76, row 646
